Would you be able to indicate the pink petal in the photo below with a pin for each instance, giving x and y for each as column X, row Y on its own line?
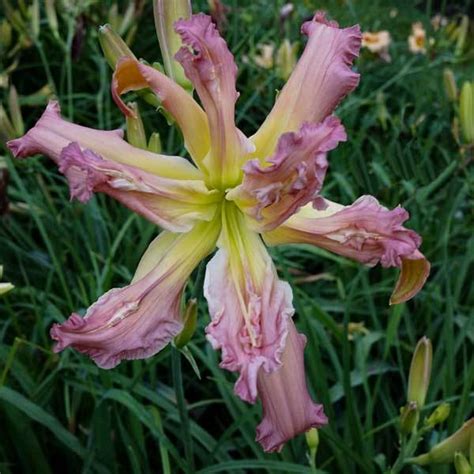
column 251, row 311
column 255, row 340
column 175, row 205
column 52, row 133
column 287, row 407
column 364, row 231
column 321, row 79
column 138, row 320
column 131, row 75
column 210, row 66
column 273, row 191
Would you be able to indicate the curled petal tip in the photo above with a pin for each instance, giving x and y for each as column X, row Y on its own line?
column 413, row 275
column 319, row 17
column 321, row 79
column 26, row 145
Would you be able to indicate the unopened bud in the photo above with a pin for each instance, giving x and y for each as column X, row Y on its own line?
column 462, row 35
column 466, row 111
column 443, row 452
column 166, row 14
column 135, row 130
column 189, row 324
column 440, row 415
column 450, row 86
column 409, row 416
column 127, row 19
column 154, row 144
column 312, row 438
column 420, row 372
column 461, row 464
column 113, row 46
column 5, row 35
column 4, row 287
column 15, row 112
column 113, row 17
column 382, row 111
column 286, row 59
column 35, row 19
column 7, row 131
column 52, row 17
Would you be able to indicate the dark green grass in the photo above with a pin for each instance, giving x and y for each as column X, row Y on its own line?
column 63, row 414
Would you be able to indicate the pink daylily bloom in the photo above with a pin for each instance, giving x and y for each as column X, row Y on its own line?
column 234, row 191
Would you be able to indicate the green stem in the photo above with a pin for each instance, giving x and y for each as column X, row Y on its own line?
column 47, row 69
column 407, row 449
column 182, row 409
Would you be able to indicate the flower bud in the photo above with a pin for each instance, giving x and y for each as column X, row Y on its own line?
column 444, row 452
column 166, row 14
column 15, row 112
column 286, row 59
column 462, row 35
column 135, row 130
column 409, row 416
column 35, row 19
column 461, row 464
column 4, row 287
column 7, row 131
column 154, row 144
column 466, row 111
column 312, row 438
column 440, row 415
column 382, row 111
column 420, row 372
column 450, row 86
column 52, row 17
column 5, row 36
column 113, row 46
column 190, row 323
column 218, row 12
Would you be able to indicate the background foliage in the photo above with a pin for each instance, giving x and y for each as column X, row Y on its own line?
column 63, row 414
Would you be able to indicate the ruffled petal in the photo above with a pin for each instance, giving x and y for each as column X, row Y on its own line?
column 131, row 75
column 364, row 231
column 138, row 320
column 210, row 66
column 175, row 205
column 287, row 407
column 274, row 190
column 52, row 133
column 321, row 79
column 249, row 319
column 251, row 311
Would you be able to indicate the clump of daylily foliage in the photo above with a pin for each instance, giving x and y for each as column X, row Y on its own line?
column 237, row 194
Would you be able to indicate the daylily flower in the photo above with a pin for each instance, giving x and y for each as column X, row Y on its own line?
column 237, row 189
column 417, row 39
column 377, row 42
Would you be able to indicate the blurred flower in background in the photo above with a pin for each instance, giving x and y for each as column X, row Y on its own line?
column 438, row 21
column 417, row 41
column 264, row 57
column 377, row 42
